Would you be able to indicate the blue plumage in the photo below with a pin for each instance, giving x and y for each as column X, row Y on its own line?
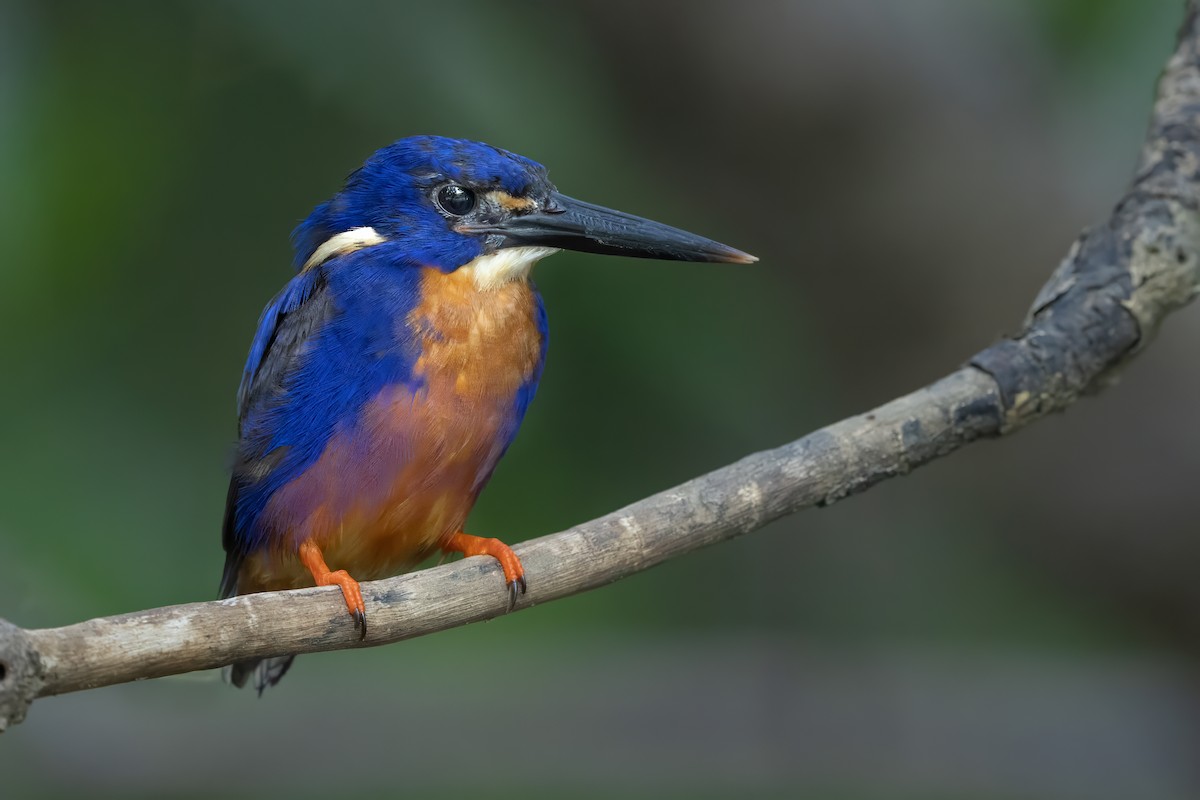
column 389, row 193
column 391, row 373
column 364, row 293
column 350, row 354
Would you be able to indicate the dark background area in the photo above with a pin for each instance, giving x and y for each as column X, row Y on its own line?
column 1016, row 621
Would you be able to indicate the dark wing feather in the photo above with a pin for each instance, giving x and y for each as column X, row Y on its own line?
column 283, row 329
column 266, row 672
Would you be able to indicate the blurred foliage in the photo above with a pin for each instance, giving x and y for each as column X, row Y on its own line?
column 1085, row 32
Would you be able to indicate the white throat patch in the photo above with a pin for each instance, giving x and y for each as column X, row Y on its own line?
column 342, row 243
column 505, row 265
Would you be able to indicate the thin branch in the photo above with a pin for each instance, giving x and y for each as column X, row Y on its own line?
column 1100, row 307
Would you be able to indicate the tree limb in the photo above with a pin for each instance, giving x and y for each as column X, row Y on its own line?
column 1100, row 307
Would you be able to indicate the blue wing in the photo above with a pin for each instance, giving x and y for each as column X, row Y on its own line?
column 325, row 344
column 286, row 324
column 275, row 342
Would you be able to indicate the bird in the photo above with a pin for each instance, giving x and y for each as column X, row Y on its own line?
column 390, row 374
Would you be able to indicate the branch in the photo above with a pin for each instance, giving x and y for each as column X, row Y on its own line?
column 1101, row 306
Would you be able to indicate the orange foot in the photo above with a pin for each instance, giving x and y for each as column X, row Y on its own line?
column 311, row 556
column 514, row 573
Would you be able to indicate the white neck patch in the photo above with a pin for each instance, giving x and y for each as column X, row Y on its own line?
column 505, row 265
column 342, row 243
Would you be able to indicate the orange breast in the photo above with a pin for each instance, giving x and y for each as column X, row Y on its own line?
column 403, row 478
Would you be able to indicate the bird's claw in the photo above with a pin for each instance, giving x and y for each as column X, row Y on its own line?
column 360, row 623
column 310, row 556
column 514, row 572
column 516, row 587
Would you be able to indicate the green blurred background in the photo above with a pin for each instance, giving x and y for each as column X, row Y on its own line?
column 1017, row 621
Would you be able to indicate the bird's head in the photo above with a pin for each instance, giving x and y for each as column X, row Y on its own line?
column 455, row 203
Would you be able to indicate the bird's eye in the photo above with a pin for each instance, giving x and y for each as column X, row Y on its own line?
column 455, row 200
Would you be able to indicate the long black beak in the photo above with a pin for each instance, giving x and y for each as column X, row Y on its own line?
column 571, row 224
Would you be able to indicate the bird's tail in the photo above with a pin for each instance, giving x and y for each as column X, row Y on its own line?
column 266, row 671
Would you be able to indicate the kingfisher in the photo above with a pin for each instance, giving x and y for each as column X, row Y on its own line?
column 391, row 373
